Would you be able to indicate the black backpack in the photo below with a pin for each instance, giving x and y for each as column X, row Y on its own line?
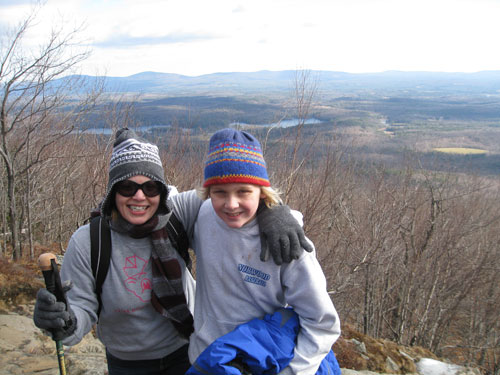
column 100, row 248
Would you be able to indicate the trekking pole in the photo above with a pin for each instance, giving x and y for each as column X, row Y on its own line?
column 50, row 271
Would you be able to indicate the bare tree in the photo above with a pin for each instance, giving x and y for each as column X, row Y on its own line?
column 409, row 255
column 31, row 105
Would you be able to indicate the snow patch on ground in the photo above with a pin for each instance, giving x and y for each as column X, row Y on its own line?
column 428, row 366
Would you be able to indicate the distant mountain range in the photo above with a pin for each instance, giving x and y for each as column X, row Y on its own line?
column 276, row 82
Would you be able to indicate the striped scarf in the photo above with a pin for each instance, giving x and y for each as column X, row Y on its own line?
column 167, row 295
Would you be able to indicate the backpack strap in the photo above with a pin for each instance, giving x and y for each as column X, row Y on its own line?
column 100, row 253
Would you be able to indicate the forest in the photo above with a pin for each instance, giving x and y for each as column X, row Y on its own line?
column 407, row 238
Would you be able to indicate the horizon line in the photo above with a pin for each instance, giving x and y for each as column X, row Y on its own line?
column 295, row 70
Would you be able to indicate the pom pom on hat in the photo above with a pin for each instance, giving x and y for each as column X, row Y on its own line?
column 235, row 156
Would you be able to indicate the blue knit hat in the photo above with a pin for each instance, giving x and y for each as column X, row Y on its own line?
column 235, row 156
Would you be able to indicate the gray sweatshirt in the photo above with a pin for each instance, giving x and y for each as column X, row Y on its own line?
column 235, row 286
column 129, row 326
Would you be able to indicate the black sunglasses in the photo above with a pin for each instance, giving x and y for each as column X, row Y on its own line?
column 128, row 188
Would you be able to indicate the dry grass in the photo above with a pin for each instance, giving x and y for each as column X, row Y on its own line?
column 375, row 358
column 19, row 282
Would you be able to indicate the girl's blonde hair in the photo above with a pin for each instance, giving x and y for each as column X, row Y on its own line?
column 271, row 196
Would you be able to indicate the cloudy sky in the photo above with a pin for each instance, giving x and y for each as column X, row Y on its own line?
column 195, row 37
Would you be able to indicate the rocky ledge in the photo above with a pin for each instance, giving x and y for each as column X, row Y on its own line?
column 24, row 349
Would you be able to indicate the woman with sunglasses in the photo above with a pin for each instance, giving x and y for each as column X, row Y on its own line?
column 148, row 294
column 137, row 199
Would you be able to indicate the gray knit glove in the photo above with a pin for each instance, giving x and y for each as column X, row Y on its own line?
column 280, row 234
column 55, row 318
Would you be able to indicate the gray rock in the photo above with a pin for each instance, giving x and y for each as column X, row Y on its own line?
column 24, row 349
column 360, row 346
column 407, row 356
column 391, row 365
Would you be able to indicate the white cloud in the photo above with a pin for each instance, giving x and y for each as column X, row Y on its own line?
column 196, row 36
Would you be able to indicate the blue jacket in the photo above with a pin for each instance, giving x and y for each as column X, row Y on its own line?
column 264, row 346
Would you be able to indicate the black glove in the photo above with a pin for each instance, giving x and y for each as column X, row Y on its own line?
column 280, row 234
column 52, row 316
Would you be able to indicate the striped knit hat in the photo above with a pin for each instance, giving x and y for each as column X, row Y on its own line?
column 235, row 156
column 133, row 156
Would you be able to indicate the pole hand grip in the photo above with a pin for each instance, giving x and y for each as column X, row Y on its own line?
column 48, row 266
